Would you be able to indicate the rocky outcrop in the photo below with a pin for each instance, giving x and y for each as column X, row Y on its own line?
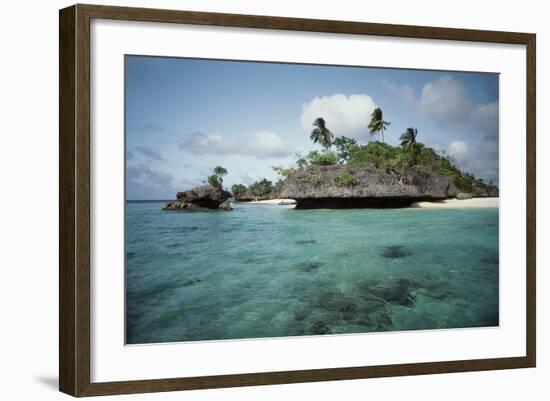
column 463, row 195
column 485, row 191
column 201, row 198
column 350, row 186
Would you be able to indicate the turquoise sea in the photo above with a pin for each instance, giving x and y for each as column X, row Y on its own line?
column 269, row 271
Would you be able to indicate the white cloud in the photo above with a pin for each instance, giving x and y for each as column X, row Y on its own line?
column 200, row 143
column 346, row 115
column 486, row 118
column 261, row 145
column 143, row 173
column 266, row 144
column 446, row 100
column 482, row 162
column 459, row 151
column 143, row 182
column 148, row 152
column 404, row 91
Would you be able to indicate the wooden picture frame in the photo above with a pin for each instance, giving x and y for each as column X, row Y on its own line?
column 74, row 199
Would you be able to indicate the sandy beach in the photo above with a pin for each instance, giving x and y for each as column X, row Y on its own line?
column 455, row 203
column 447, row 204
column 274, row 202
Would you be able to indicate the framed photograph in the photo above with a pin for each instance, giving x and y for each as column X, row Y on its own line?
column 250, row 200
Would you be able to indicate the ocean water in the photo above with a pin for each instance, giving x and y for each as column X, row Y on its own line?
column 269, row 271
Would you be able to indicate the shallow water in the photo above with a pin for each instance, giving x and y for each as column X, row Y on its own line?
column 268, row 271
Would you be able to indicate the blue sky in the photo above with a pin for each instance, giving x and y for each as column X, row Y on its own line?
column 185, row 116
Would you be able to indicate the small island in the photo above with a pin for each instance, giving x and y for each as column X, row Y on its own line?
column 345, row 174
column 204, row 198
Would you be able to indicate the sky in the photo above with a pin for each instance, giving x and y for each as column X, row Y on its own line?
column 186, row 116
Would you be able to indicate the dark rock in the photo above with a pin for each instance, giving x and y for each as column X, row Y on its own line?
column 399, row 293
column 203, row 193
column 201, row 198
column 190, row 282
column 395, row 251
column 485, row 191
column 348, row 310
column 395, row 291
column 301, row 314
column 305, row 242
column 320, row 327
column 309, row 266
column 373, row 188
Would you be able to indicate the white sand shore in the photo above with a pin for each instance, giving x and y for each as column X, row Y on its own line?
column 448, row 203
column 275, row 202
column 455, row 203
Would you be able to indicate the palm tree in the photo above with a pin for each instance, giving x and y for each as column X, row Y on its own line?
column 322, row 134
column 408, row 142
column 220, row 171
column 408, row 138
column 377, row 123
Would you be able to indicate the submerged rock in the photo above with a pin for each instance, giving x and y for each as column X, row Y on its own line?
column 309, row 266
column 395, row 291
column 189, row 282
column 301, row 314
column 201, row 198
column 395, row 251
column 305, row 242
column 348, row 310
column 320, row 327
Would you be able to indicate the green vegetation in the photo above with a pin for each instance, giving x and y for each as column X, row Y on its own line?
column 216, row 180
column 377, row 124
column 344, row 147
column 326, row 158
column 386, row 158
column 238, row 189
column 345, row 179
column 261, row 188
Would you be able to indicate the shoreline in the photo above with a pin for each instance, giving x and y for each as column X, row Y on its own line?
column 288, row 202
column 458, row 203
column 441, row 204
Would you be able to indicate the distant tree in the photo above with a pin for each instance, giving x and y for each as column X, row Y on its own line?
column 261, row 188
column 322, row 134
column 377, row 123
column 278, row 186
column 238, row 189
column 344, row 147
